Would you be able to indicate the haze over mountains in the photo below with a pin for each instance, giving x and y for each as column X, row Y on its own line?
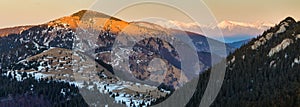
column 233, row 31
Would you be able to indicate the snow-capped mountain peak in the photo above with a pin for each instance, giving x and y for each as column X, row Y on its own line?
column 231, row 30
column 227, row 24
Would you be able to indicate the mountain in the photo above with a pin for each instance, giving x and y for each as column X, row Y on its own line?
column 231, row 30
column 91, row 51
column 13, row 30
column 238, row 44
column 233, row 25
column 201, row 42
column 264, row 72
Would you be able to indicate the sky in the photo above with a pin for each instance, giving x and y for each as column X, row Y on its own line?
column 271, row 11
column 31, row 12
column 20, row 12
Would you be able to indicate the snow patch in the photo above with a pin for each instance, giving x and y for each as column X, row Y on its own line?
column 285, row 43
column 40, row 75
column 233, row 59
column 76, row 83
column 62, row 92
column 296, row 61
column 40, row 68
column 298, row 37
column 269, row 36
column 262, row 41
column 259, row 43
column 272, row 63
column 15, row 75
column 281, row 29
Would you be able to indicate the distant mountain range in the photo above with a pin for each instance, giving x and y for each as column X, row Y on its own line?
column 232, row 30
column 238, row 44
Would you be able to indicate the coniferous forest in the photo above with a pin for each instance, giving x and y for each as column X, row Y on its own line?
column 37, row 93
column 255, row 79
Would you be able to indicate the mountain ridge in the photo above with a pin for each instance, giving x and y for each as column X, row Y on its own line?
column 230, row 24
column 15, row 30
column 254, row 77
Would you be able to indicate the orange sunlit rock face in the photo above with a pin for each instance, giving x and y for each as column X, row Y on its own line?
column 89, row 19
column 68, row 21
column 115, row 26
